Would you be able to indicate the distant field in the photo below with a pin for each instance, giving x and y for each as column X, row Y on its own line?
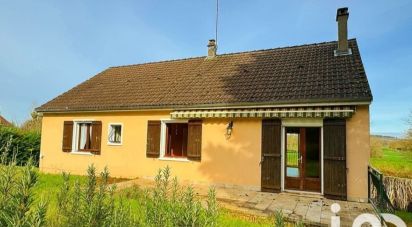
column 394, row 163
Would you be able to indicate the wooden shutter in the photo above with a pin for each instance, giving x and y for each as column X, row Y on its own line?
column 194, row 140
column 334, row 156
column 67, row 136
column 153, row 139
column 270, row 158
column 96, row 139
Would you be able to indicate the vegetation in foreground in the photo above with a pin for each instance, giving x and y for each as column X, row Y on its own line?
column 53, row 200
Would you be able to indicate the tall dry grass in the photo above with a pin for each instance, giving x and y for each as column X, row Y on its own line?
column 399, row 191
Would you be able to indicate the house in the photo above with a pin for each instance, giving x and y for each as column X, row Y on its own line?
column 285, row 119
column 4, row 122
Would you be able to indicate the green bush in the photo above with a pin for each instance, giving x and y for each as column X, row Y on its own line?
column 17, row 207
column 90, row 204
column 22, row 145
column 168, row 204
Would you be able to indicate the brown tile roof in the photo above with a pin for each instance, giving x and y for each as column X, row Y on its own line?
column 3, row 121
column 289, row 75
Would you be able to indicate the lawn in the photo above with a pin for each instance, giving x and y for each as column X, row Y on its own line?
column 48, row 187
column 394, row 163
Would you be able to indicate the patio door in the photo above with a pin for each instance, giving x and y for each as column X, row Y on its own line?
column 302, row 159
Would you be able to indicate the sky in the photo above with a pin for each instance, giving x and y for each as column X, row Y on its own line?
column 49, row 46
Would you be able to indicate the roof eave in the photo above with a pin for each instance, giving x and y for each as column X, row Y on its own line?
column 366, row 101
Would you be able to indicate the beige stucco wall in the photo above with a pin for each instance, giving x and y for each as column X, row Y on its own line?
column 358, row 153
column 233, row 161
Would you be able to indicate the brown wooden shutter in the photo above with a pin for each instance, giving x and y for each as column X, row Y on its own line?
column 67, row 136
column 194, row 140
column 153, row 139
column 270, row 158
column 96, row 139
column 334, row 156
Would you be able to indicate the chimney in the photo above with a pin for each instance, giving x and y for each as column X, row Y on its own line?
column 211, row 49
column 342, row 16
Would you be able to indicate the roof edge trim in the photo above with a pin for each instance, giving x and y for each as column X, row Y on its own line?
column 212, row 107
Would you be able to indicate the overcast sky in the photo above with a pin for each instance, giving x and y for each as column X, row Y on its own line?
column 47, row 47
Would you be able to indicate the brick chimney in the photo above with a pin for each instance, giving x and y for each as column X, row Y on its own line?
column 342, row 16
column 211, row 49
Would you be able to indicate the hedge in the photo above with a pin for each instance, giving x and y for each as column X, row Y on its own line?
column 23, row 144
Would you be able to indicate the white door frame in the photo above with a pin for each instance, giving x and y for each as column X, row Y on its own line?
column 301, row 122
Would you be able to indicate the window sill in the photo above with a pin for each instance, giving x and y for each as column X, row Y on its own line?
column 81, row 153
column 174, row 159
column 114, row 144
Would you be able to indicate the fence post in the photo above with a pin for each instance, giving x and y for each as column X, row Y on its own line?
column 381, row 189
column 369, row 183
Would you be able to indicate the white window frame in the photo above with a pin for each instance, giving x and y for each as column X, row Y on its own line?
column 301, row 122
column 121, row 134
column 75, row 137
column 163, row 129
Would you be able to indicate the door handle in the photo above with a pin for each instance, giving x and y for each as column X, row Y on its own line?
column 261, row 160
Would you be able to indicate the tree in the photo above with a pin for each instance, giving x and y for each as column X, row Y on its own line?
column 408, row 138
column 33, row 124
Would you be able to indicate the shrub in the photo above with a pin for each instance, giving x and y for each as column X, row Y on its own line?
column 168, row 204
column 91, row 203
column 33, row 124
column 23, row 145
column 17, row 206
column 279, row 220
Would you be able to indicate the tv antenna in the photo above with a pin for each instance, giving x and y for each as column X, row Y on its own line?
column 217, row 19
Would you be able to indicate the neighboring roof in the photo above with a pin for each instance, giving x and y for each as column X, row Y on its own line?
column 3, row 121
column 289, row 75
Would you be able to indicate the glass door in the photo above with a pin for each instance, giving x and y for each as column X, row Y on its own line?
column 293, row 157
column 302, row 158
column 311, row 160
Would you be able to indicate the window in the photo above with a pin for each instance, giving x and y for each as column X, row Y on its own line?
column 84, row 132
column 82, row 137
column 115, row 134
column 176, row 140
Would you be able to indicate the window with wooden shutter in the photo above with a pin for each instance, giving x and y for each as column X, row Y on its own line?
column 334, row 152
column 153, row 139
column 194, row 141
column 96, row 137
column 67, row 136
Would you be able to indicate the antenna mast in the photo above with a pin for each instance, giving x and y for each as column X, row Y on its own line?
column 217, row 19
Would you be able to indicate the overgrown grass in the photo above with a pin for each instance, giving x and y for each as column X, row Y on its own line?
column 49, row 185
column 235, row 219
column 393, row 163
